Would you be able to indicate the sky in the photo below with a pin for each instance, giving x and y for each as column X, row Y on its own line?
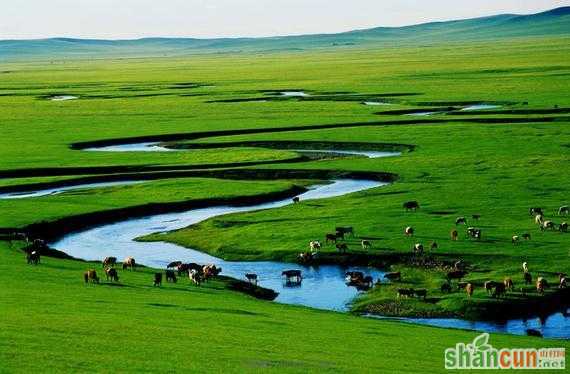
column 131, row 19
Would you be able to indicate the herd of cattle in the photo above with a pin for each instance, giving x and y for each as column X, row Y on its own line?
column 195, row 272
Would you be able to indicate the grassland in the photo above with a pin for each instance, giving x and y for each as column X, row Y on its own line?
column 457, row 168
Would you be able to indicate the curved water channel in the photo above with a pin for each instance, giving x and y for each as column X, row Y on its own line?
column 323, row 287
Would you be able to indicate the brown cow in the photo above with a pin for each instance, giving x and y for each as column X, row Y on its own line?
column 111, row 274
column 90, row 276
column 454, row 234
column 157, row 282
column 469, row 289
column 508, row 282
column 130, row 263
column 109, row 262
column 500, row 290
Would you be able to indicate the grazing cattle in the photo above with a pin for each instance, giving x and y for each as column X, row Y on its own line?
column 251, row 278
column 393, row 276
column 315, row 245
column 489, row 285
column 292, row 276
column 418, row 248
column 539, row 219
column 296, row 199
column 525, row 267
column 174, row 264
column 405, row 292
column 109, row 262
column 547, row 225
column 535, row 212
column 526, row 236
column 515, row 239
column 454, row 234
column 500, row 290
column 563, row 227
column 129, row 263
column 541, row 285
column 456, row 274
column 421, row 293
column 460, row 221
column 366, row 244
column 157, row 282
column 111, row 274
column 409, row 231
column 469, row 288
column 433, row 246
column 508, row 282
column 330, row 238
column 476, row 217
column 411, row 205
column 446, row 287
column 474, row 233
column 345, row 230
column 354, row 276
column 171, row 276
column 210, row 271
column 185, row 268
column 90, row 276
column 563, row 210
column 527, row 278
column 563, row 282
column 33, row 258
column 195, row 276
column 342, row 247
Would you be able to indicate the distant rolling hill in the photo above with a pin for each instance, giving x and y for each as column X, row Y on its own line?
column 552, row 22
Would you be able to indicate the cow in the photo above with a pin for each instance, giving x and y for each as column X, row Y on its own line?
column 563, row 210
column 170, row 276
column 474, row 233
column 563, row 227
column 409, row 231
column 366, row 244
column 90, row 276
column 539, row 219
column 526, row 236
column 354, row 276
column 476, row 217
column 527, row 278
column 500, row 290
column 185, row 268
column 563, row 281
column 535, row 212
column 330, row 238
column 525, row 267
column 456, row 274
column 405, row 292
column 195, row 276
column 515, row 239
column 541, row 285
column 111, row 274
column 454, row 234
column 411, row 205
column 174, row 264
column 421, row 293
column 342, row 247
column 489, row 285
column 508, row 282
column 433, row 246
column 469, row 288
column 315, row 245
column 418, row 248
column 129, row 263
column 345, row 230
column 460, row 221
column 109, row 262
column 33, row 257
column 296, row 199
column 251, row 278
column 393, row 276
column 210, row 271
column 292, row 276
column 547, row 225
column 157, row 282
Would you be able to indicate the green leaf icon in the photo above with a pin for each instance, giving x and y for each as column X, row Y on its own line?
column 480, row 341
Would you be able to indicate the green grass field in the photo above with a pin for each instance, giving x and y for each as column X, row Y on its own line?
column 459, row 166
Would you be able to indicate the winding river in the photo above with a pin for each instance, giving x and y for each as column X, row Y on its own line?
column 323, row 287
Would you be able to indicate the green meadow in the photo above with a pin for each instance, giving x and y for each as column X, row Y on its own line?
column 496, row 164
